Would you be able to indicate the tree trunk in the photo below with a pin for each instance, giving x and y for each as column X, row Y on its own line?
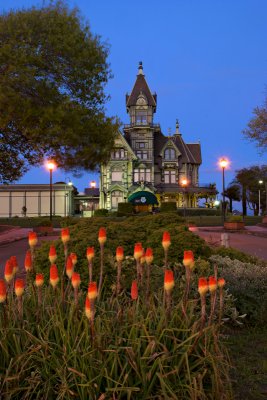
column 230, row 205
column 244, row 200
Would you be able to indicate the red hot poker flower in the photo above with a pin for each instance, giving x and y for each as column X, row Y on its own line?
column 212, row 284
column 143, row 257
column 75, row 280
column 39, row 280
column 73, row 257
column 65, row 235
column 138, row 251
column 54, row 278
column 102, row 235
column 149, row 256
column 90, row 253
column 166, row 240
column 203, row 286
column 69, row 267
column 32, row 239
column 19, row 287
column 92, row 290
column 188, row 260
column 88, row 310
column 2, row 290
column 52, row 254
column 8, row 271
column 14, row 262
column 119, row 254
column 28, row 261
column 134, row 290
column 168, row 280
column 221, row 282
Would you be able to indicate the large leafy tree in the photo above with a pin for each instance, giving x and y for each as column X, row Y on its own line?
column 53, row 72
column 248, row 179
column 232, row 192
column 257, row 127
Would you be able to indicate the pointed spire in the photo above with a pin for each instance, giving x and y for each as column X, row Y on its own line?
column 177, row 132
column 140, row 68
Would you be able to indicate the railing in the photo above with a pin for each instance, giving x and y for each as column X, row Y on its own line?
column 141, row 124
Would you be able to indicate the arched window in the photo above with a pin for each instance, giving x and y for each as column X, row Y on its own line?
column 116, row 197
column 169, row 153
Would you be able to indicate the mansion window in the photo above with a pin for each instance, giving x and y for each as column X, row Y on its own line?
column 143, row 155
column 169, row 176
column 141, row 117
column 116, row 197
column 169, row 154
column 116, row 175
column 141, row 145
column 118, row 154
column 142, row 174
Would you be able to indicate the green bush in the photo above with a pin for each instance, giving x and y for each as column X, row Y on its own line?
column 235, row 218
column 101, row 212
column 168, row 207
column 124, row 209
column 44, row 222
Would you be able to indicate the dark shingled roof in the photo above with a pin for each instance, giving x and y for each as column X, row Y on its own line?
column 141, row 86
column 196, row 151
column 91, row 192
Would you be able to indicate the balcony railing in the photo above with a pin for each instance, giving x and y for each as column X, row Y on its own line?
column 141, row 124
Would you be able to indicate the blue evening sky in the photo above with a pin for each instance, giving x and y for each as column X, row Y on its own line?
column 205, row 59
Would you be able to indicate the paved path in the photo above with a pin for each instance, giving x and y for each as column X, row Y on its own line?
column 253, row 241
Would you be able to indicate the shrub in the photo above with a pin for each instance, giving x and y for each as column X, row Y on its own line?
column 125, row 209
column 247, row 282
column 101, row 212
column 44, row 222
column 235, row 218
column 168, row 207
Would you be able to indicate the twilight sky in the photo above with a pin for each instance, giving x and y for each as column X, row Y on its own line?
column 206, row 60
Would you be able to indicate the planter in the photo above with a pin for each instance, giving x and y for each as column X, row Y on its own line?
column 264, row 219
column 234, row 226
column 43, row 229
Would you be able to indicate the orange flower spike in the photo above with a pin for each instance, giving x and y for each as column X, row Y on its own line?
column 221, row 282
column 143, row 257
column 52, row 254
column 2, row 290
column 90, row 253
column 188, row 260
column 138, row 251
column 54, row 278
column 166, row 240
column 65, row 235
column 168, row 280
column 134, row 290
column 102, row 235
column 32, row 239
column 75, row 280
column 88, row 310
column 203, row 286
column 69, row 267
column 28, row 261
column 74, row 258
column 149, row 256
column 39, row 280
column 212, row 284
column 14, row 262
column 19, row 287
column 92, row 291
column 119, row 254
column 8, row 271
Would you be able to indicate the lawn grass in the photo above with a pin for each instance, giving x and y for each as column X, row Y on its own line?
column 248, row 353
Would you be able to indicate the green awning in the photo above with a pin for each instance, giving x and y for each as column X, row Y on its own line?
column 143, row 198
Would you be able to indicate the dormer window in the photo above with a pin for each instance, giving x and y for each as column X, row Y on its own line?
column 118, row 154
column 141, row 117
column 169, row 153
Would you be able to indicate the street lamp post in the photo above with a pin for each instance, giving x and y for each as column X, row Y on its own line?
column 260, row 182
column 51, row 166
column 223, row 165
column 184, row 183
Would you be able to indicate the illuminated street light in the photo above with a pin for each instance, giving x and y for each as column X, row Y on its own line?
column 184, row 183
column 260, row 182
column 51, row 166
column 223, row 164
column 93, row 184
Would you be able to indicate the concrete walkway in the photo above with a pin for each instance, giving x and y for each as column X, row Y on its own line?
column 252, row 241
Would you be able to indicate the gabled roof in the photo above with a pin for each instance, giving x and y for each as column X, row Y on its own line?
column 125, row 144
column 141, row 87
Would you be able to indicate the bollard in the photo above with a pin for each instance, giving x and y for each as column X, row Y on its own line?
column 225, row 240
